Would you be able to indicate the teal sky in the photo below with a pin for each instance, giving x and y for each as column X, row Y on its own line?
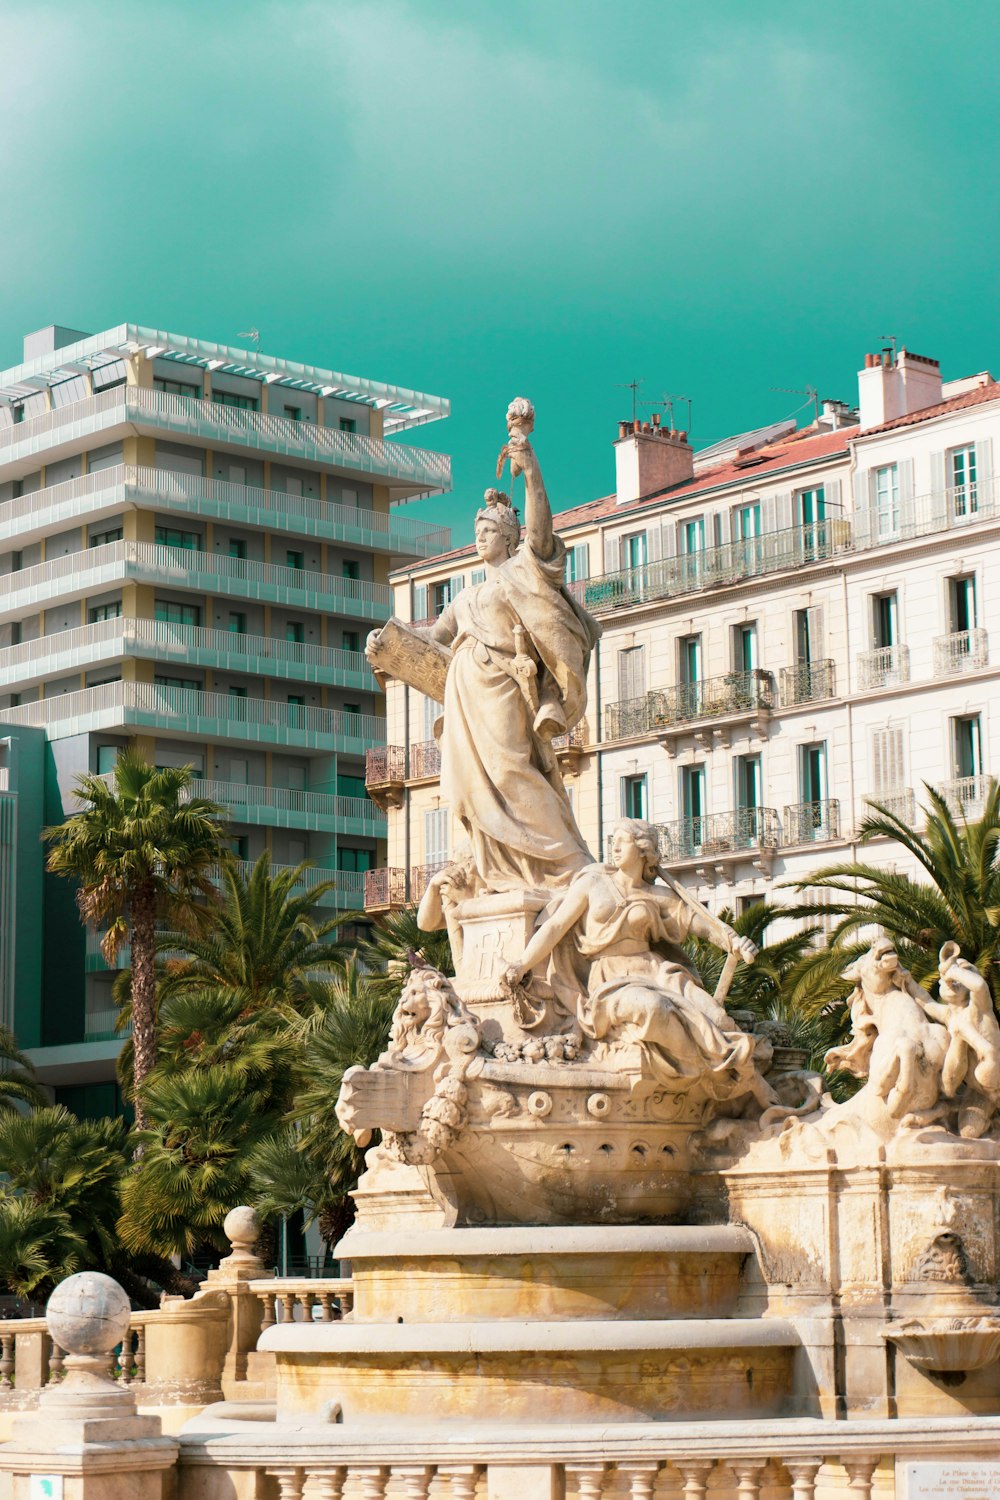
column 539, row 197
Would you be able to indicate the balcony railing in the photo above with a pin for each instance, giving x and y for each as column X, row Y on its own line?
column 811, row 822
column 884, row 666
column 632, row 716
column 384, row 765
column 966, row 794
column 212, row 420
column 961, row 651
column 778, row 552
column 425, row 759
column 942, row 510
column 714, row 697
column 107, row 491
column 188, row 711
column 807, row 681
column 716, row 834
column 284, row 807
column 900, row 802
column 394, row 887
column 106, row 640
column 98, row 568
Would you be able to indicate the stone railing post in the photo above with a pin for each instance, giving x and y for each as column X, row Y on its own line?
column 233, row 1276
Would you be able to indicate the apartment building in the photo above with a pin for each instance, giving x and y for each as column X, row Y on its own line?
column 795, row 621
column 194, row 541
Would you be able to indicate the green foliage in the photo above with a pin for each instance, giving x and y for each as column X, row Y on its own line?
column 19, row 1084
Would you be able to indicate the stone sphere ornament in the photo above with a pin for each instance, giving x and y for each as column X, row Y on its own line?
column 88, row 1314
column 241, row 1227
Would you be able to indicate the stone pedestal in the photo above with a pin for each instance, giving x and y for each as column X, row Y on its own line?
column 245, row 1310
column 495, row 932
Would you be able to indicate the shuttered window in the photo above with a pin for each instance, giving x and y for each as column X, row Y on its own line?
column 888, row 770
column 632, row 672
column 436, row 828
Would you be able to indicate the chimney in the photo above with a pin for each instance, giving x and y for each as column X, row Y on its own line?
column 889, row 388
column 648, row 460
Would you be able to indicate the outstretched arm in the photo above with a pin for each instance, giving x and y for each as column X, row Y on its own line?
column 568, row 912
column 537, row 513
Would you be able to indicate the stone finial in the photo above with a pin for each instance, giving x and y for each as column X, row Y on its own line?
column 241, row 1227
column 88, row 1314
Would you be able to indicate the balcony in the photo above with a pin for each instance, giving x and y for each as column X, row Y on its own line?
column 99, row 568
column 811, row 823
column 570, row 748
column 631, row 717
column 190, row 714
column 286, row 807
column 389, row 889
column 723, row 838
column 951, row 509
column 961, row 651
column 883, row 667
column 128, row 409
column 385, row 774
column 713, row 708
column 713, row 567
column 194, row 645
column 425, row 760
column 109, row 491
column 966, row 795
column 900, row 802
column 807, row 682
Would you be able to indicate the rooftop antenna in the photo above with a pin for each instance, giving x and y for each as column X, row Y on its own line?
column 891, row 339
column 808, row 391
column 633, row 386
column 253, row 334
column 687, row 401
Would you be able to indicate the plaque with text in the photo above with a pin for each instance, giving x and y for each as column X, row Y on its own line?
column 951, row 1479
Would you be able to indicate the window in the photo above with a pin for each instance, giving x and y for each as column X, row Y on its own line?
column 962, row 604
column 419, row 606
column 810, row 506
column 15, row 632
column 169, row 536
column 295, row 560
column 237, row 623
column 693, row 535
column 237, row 547
column 16, row 563
column 886, row 498
column 350, row 640
column 350, row 786
column 104, row 538
column 297, row 700
column 888, row 768
column 176, row 614
column 177, row 388
column 295, row 630
column 293, row 413
column 745, row 647
column 442, row 596
column 431, row 714
column 808, row 635
column 162, row 680
column 296, row 777
column 633, row 550
column 962, row 479
column 885, row 629
column 478, row 575
column 100, row 612
column 349, row 498
column 350, row 569
column 689, row 658
column 350, row 708
column 436, row 836
column 631, row 673
column 692, row 807
column 237, row 474
column 748, row 783
column 634, row 796
column 240, row 846
column 107, row 758
column 293, row 486
column 577, row 562
column 967, row 746
column 812, row 772
column 230, row 398
column 348, row 424
column 746, row 522
column 354, row 859
column 239, row 771
column 237, row 692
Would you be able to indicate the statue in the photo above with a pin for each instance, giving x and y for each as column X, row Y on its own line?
column 618, row 935
column 515, row 651
column 970, row 1072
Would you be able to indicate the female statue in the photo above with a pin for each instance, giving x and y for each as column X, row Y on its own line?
column 517, row 676
column 618, row 936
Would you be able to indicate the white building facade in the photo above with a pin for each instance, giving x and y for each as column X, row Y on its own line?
column 794, row 622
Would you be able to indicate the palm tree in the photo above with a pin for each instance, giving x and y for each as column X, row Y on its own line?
column 394, row 937
column 959, row 900
column 144, row 846
column 19, row 1084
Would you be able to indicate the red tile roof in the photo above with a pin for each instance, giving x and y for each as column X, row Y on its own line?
column 976, row 397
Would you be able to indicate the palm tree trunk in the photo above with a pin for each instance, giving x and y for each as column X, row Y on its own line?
column 143, row 938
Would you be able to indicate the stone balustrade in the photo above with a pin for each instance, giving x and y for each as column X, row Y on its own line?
column 287, row 1298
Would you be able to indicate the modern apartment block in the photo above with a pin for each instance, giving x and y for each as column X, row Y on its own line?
column 194, row 542
column 794, row 621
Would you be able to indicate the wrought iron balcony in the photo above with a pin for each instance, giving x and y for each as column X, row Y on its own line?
column 807, row 682
column 385, row 765
column 900, row 802
column 715, row 835
column 966, row 794
column 390, row 888
column 425, row 760
column 883, row 666
column 414, row 469
column 107, row 492
column 961, row 651
column 630, row 717
column 811, row 822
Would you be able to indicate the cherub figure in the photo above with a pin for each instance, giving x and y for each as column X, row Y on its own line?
column 445, row 890
column 972, row 1061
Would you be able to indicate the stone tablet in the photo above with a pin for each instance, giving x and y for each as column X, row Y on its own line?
column 950, row 1479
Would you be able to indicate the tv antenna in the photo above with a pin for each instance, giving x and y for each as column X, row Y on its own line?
column 808, row 391
column 669, row 402
column 633, row 386
column 253, row 334
column 890, row 338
